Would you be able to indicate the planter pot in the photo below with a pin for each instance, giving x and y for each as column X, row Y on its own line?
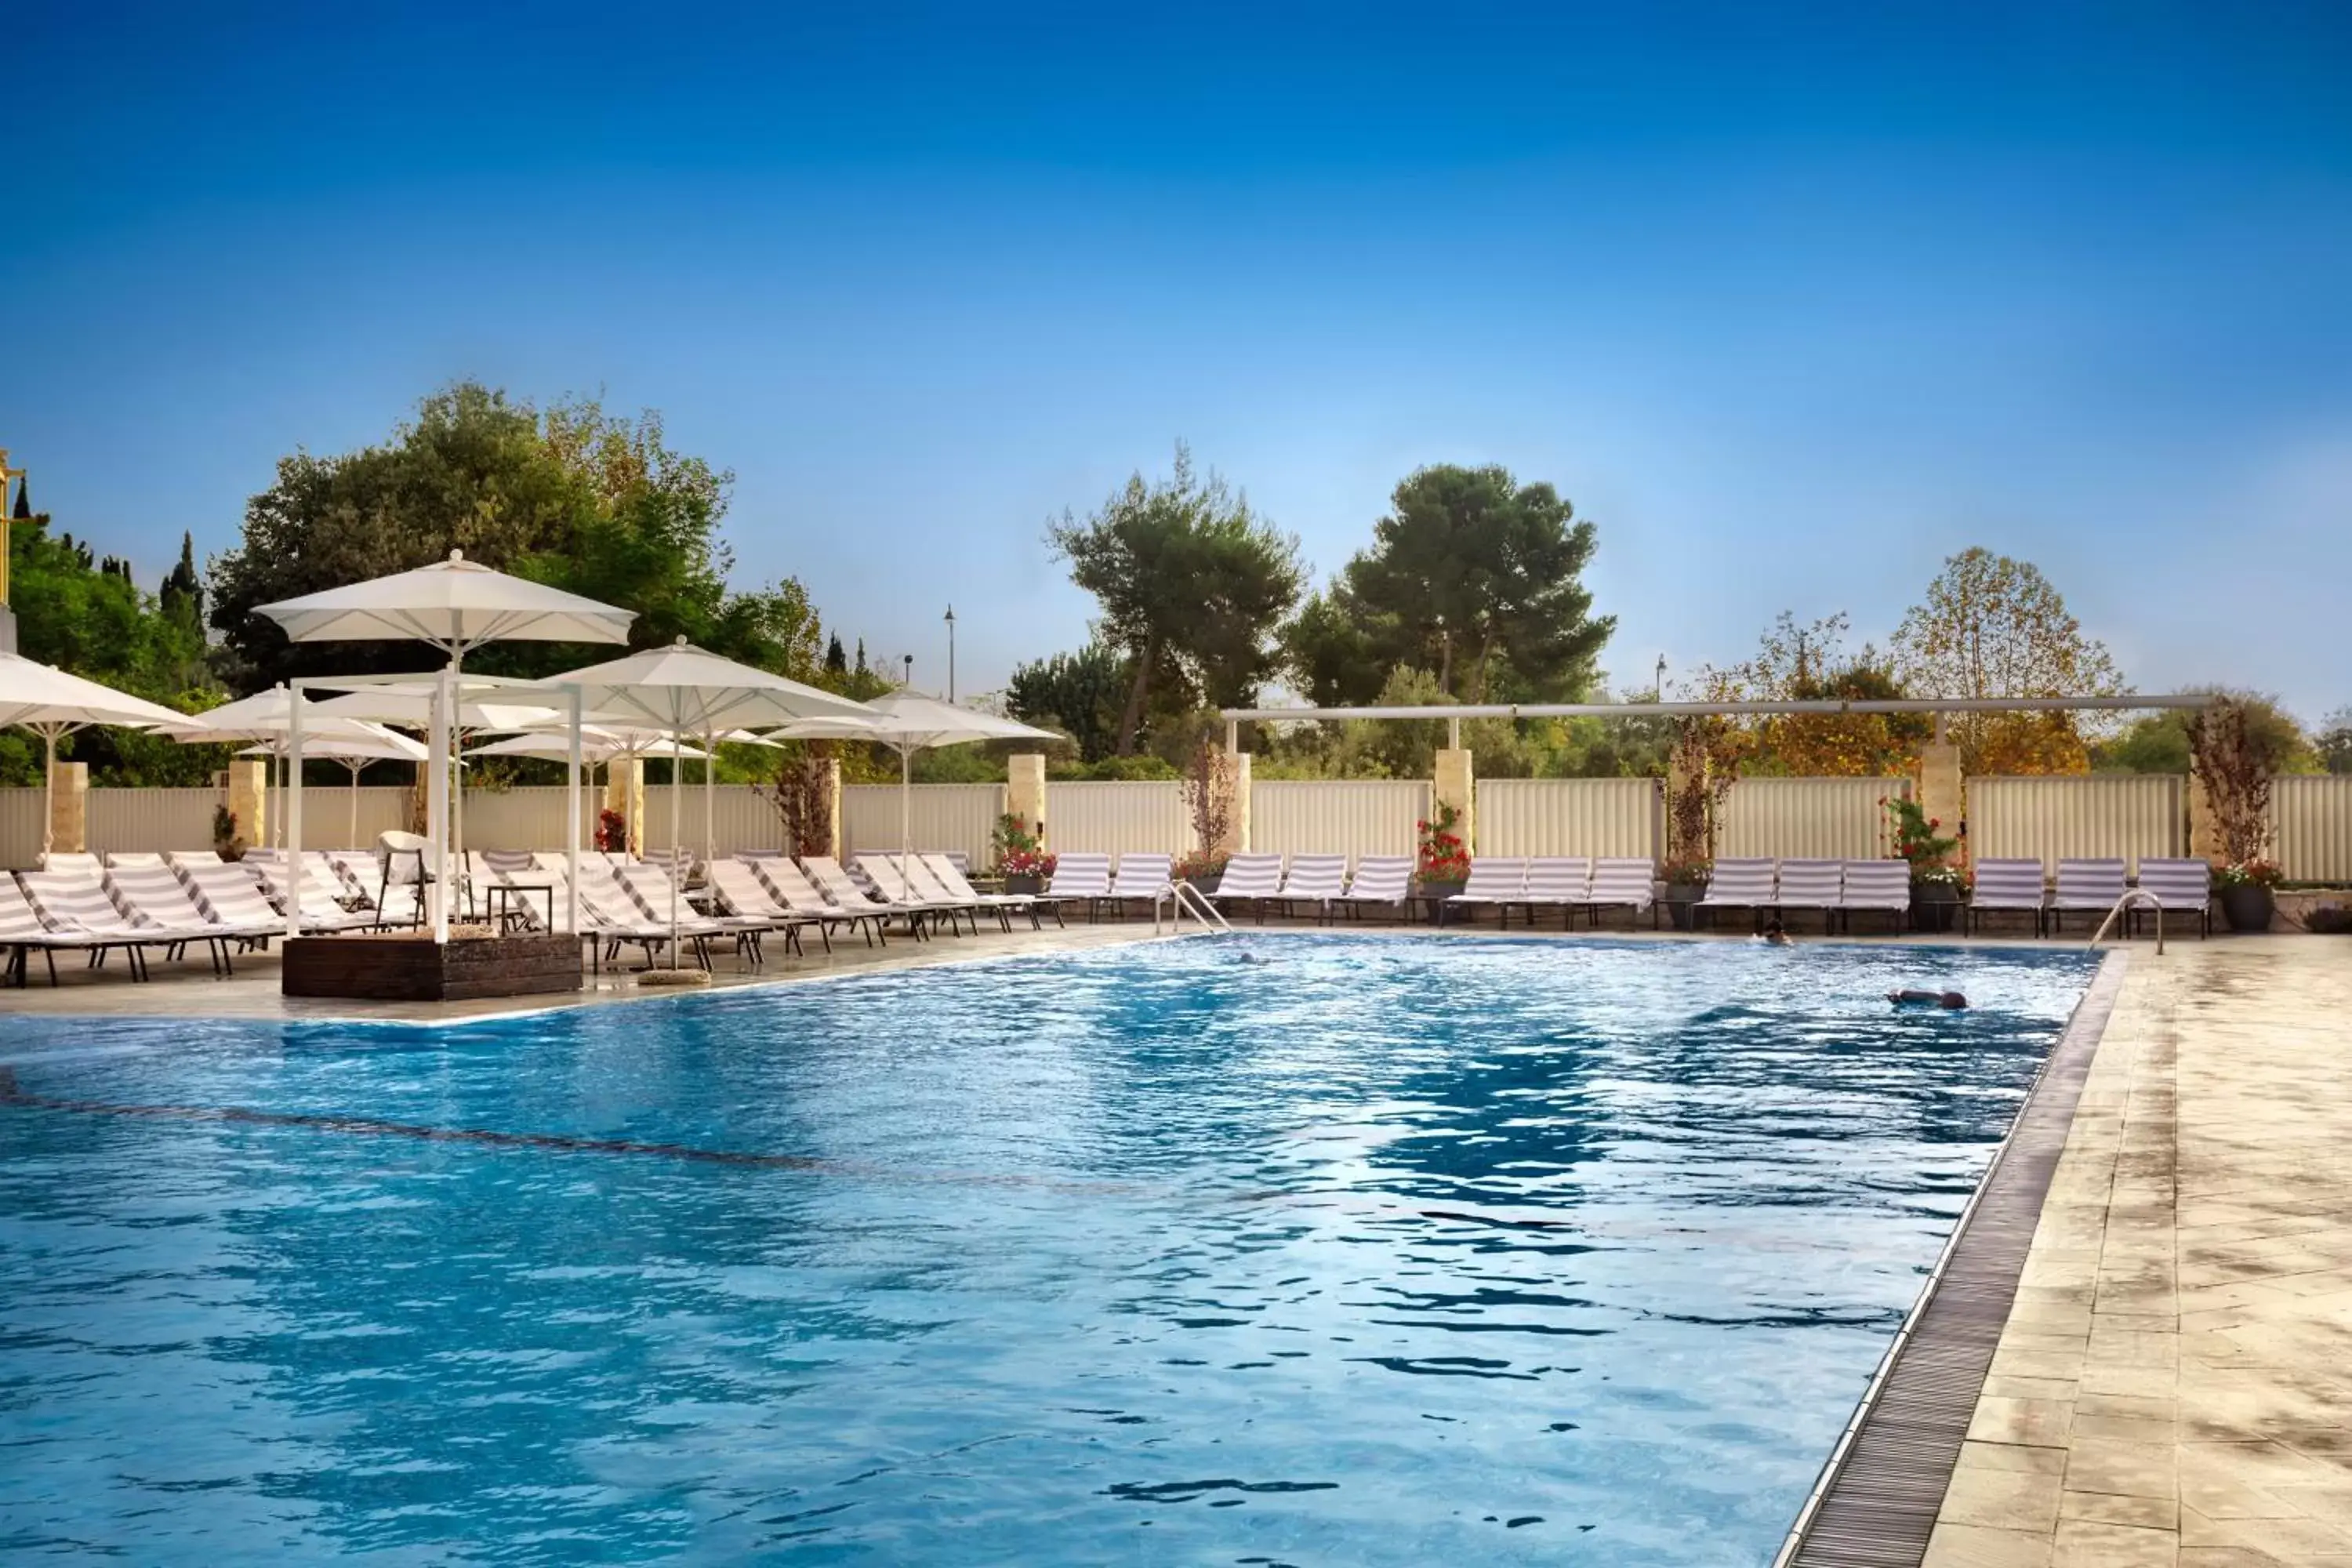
column 1439, row 893
column 1019, row 882
column 2246, row 907
column 1206, row 882
column 1682, row 903
column 1934, row 906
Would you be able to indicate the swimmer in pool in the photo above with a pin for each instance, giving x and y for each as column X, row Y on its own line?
column 1951, row 1001
column 1773, row 935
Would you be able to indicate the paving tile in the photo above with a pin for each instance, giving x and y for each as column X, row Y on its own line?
column 2001, row 1499
column 2087, row 1543
column 1972, row 1546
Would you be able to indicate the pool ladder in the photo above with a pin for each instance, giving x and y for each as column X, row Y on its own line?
column 2134, row 896
column 1182, row 895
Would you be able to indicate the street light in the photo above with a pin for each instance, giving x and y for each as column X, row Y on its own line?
column 951, row 620
column 909, row 682
column 1658, row 686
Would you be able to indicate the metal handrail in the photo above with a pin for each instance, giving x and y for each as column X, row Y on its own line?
column 2132, row 896
column 1180, row 893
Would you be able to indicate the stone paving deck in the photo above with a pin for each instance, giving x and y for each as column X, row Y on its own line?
column 2174, row 1385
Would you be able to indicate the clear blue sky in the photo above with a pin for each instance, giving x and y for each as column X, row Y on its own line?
column 1793, row 301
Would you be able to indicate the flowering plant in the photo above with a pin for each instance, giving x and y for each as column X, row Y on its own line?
column 1938, row 876
column 1019, row 851
column 2249, row 874
column 1443, row 857
column 1688, row 872
column 1916, row 840
column 611, row 832
column 1201, row 865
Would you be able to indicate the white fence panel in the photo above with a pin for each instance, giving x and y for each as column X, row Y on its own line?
column 134, row 820
column 1352, row 817
column 337, row 817
column 2099, row 816
column 1113, row 819
column 2311, row 825
column 735, row 817
column 942, row 816
column 528, row 817
column 1810, row 818
column 1567, row 816
column 20, row 829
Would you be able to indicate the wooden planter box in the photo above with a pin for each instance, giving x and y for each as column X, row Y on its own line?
column 406, row 967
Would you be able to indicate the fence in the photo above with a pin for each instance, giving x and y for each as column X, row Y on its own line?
column 2106, row 815
column 1823, row 819
column 2311, row 823
column 1354, row 819
column 1116, row 818
column 1567, row 816
column 938, row 816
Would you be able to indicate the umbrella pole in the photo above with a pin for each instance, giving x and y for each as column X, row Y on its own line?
column 675, row 791
column 49, row 799
column 352, row 833
column 906, row 813
column 709, row 799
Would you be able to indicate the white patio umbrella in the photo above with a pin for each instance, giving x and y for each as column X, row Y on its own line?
column 410, row 705
column 375, row 744
column 456, row 606
column 50, row 703
column 269, row 717
column 908, row 723
column 600, row 745
column 683, row 690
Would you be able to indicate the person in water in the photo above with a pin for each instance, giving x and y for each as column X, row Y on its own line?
column 1774, row 936
column 1951, row 1001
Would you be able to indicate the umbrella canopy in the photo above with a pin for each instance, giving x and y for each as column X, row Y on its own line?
column 597, row 743
column 50, row 703
column 269, row 716
column 412, row 708
column 909, row 721
column 683, row 690
column 454, row 604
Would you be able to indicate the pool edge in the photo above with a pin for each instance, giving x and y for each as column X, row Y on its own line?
column 1878, row 1494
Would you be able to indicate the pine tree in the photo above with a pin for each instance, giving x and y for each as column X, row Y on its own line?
column 836, row 662
column 862, row 670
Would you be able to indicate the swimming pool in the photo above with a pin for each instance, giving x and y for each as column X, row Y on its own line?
column 1377, row 1250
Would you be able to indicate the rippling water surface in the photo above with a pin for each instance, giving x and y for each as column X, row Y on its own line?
column 1375, row 1251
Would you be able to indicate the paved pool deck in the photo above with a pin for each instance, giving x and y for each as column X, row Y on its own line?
column 2174, row 1384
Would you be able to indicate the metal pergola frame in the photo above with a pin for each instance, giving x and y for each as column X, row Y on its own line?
column 1938, row 706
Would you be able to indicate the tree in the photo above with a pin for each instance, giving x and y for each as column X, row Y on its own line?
column 1077, row 693
column 2160, row 742
column 1992, row 627
column 1810, row 664
column 836, row 661
column 2229, row 759
column 1472, row 575
column 1191, row 581
column 2334, row 741
column 572, row 496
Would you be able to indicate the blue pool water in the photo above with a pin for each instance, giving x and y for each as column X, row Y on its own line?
column 1379, row 1250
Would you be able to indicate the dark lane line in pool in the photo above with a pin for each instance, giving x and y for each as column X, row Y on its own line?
column 560, row 1142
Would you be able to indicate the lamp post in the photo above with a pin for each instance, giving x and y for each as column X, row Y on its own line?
column 910, row 681
column 1658, row 686
column 951, row 620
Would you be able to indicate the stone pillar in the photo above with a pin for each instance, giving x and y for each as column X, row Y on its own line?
column 1235, row 766
column 832, row 787
column 1024, row 789
column 624, row 791
column 2204, row 832
column 1940, row 790
column 248, row 797
column 1455, row 785
column 69, row 808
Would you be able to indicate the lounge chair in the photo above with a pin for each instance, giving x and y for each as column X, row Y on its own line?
column 2006, row 886
column 616, row 918
column 1081, row 875
column 949, row 878
column 790, row 885
column 1622, row 880
column 129, row 858
column 897, row 889
column 1140, row 878
column 1880, row 886
column 2181, row 887
column 24, row 933
column 1815, row 885
column 649, row 882
column 1252, row 879
column 1495, row 881
column 736, row 890
column 75, row 902
column 1556, row 882
column 1741, row 884
column 839, row 887
column 154, row 896
column 78, row 862
column 228, row 895
column 1380, row 879
column 1316, row 880
column 181, row 859
column 360, row 875
column 326, row 899
column 2085, row 887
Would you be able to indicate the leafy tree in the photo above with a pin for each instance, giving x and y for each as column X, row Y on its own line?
column 1992, row 627
column 2160, row 742
column 84, row 614
column 1810, row 664
column 2334, row 741
column 1078, row 693
column 836, row 662
column 1471, row 576
column 1192, row 584
column 572, row 496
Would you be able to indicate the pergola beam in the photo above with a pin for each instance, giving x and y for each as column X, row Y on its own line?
column 1234, row 716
